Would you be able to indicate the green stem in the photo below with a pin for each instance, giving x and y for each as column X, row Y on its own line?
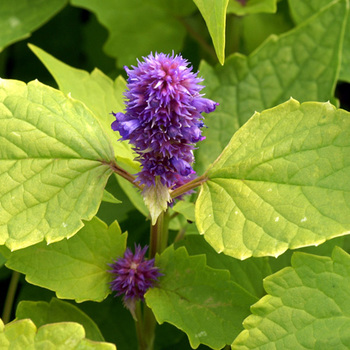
column 10, row 297
column 158, row 242
column 149, row 323
column 159, row 235
column 123, row 173
column 139, row 327
column 188, row 186
column 180, row 235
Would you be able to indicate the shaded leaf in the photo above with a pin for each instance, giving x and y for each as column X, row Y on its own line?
column 197, row 299
column 54, row 164
column 114, row 320
column 126, row 19
column 19, row 18
column 282, row 182
column 75, row 268
column 2, row 260
column 249, row 273
column 245, row 7
column 256, row 28
column 301, row 10
column 307, row 306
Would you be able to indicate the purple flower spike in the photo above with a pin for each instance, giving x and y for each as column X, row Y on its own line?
column 163, row 118
column 133, row 276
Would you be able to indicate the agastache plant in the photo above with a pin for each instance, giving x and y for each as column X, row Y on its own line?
column 163, row 122
column 140, row 221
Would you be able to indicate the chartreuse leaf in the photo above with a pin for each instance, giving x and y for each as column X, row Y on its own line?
column 199, row 300
column 19, row 18
column 186, row 209
column 126, row 19
column 108, row 197
column 76, row 268
column 307, row 306
column 24, row 334
column 102, row 96
column 302, row 63
column 303, row 9
column 99, row 93
column 214, row 14
column 282, row 182
column 54, row 164
column 245, row 7
column 41, row 313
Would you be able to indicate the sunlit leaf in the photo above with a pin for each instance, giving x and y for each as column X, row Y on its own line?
column 108, row 197
column 41, row 313
column 54, row 164
column 100, row 94
column 282, row 182
column 186, row 209
column 23, row 334
column 307, row 306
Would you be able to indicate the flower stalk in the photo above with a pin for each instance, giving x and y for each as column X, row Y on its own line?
column 163, row 121
column 10, row 297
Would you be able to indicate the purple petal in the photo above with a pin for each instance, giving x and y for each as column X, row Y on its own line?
column 204, row 105
column 182, row 166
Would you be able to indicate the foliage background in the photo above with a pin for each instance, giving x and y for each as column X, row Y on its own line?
column 76, row 37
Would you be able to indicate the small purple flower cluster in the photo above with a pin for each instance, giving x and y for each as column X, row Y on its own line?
column 133, row 275
column 163, row 118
